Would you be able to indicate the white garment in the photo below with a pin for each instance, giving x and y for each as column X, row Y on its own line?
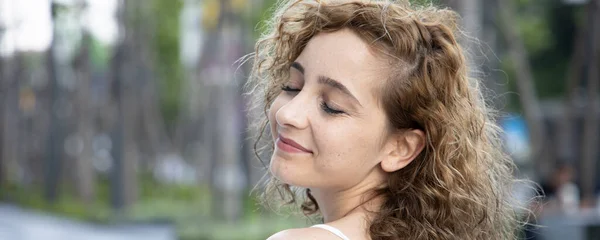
column 333, row 230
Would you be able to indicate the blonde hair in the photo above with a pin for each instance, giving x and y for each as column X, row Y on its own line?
column 459, row 186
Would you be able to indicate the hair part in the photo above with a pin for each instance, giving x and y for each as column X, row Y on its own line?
column 459, row 187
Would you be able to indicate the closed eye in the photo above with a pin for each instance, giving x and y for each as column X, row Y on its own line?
column 330, row 110
column 324, row 106
column 289, row 89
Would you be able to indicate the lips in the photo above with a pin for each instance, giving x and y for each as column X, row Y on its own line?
column 290, row 145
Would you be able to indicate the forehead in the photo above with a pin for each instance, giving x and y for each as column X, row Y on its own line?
column 345, row 57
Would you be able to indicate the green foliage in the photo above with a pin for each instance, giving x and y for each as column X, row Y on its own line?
column 259, row 18
column 188, row 207
column 166, row 49
column 426, row 2
column 67, row 204
column 548, row 29
column 99, row 54
column 536, row 33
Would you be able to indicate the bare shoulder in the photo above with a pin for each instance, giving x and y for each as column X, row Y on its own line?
column 303, row 233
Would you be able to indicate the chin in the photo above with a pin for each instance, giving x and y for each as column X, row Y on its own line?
column 283, row 171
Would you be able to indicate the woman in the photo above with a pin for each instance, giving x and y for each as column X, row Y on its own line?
column 373, row 116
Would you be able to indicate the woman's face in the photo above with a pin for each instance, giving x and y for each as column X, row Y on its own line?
column 328, row 128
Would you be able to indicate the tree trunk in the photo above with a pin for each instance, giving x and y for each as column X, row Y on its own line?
column 2, row 116
column 131, row 154
column 566, row 140
column 54, row 140
column 207, row 155
column 3, row 88
column 525, row 83
column 117, row 178
column 126, row 149
column 230, row 180
column 85, row 173
column 590, row 132
column 130, row 102
column 10, row 146
column 152, row 125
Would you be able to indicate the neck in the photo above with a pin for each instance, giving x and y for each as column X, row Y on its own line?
column 336, row 204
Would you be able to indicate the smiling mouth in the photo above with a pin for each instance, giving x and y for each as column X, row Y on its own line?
column 288, row 145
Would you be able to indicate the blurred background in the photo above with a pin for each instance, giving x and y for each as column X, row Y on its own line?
column 124, row 119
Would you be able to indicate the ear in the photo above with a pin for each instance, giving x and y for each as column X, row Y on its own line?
column 402, row 148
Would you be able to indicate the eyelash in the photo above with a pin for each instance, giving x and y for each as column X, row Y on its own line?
column 329, row 110
column 324, row 105
column 289, row 89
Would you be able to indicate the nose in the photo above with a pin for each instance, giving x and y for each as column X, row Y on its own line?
column 294, row 113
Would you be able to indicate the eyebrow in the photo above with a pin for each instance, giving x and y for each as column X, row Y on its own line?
column 329, row 82
column 337, row 85
column 298, row 67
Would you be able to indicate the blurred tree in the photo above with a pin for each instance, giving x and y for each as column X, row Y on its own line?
column 525, row 81
column 548, row 29
column 119, row 66
column 222, row 118
column 131, row 69
column 152, row 137
column 211, row 14
column 13, row 71
column 212, row 22
column 566, row 141
column 52, row 164
column 478, row 38
column 3, row 88
column 591, row 124
column 85, row 172
column 548, row 32
column 168, row 64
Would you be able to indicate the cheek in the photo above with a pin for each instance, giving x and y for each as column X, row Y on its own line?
column 348, row 146
column 347, row 157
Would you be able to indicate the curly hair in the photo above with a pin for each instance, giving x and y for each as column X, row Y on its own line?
column 460, row 185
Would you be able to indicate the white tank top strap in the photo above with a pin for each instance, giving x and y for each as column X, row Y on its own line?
column 333, row 230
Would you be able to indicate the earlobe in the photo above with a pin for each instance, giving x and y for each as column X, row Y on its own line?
column 403, row 149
